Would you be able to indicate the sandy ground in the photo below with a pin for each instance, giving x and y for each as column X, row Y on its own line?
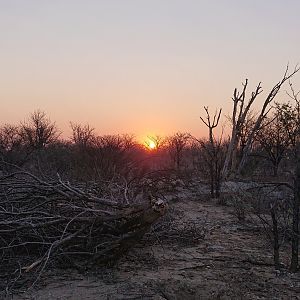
column 199, row 251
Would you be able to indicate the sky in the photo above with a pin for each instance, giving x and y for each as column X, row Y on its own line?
column 140, row 66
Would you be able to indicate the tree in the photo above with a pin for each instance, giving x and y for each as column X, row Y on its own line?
column 273, row 135
column 10, row 138
column 295, row 220
column 294, row 135
column 284, row 135
column 291, row 119
column 112, row 154
column 241, row 110
column 213, row 150
column 239, row 116
column 11, row 145
column 38, row 131
column 176, row 145
column 82, row 135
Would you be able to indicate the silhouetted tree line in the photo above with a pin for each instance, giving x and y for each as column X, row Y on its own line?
column 36, row 144
column 258, row 141
column 263, row 143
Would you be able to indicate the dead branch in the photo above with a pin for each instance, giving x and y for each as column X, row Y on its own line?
column 45, row 223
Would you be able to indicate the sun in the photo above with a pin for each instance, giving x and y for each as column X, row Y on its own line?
column 152, row 145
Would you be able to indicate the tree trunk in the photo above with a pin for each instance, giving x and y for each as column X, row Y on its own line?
column 212, row 182
column 276, row 240
column 275, row 168
column 295, row 236
column 228, row 159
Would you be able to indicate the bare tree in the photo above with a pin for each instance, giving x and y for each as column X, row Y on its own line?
column 273, row 135
column 263, row 113
column 240, row 111
column 11, row 145
column 82, row 135
column 38, row 131
column 213, row 150
column 176, row 145
column 239, row 116
column 9, row 137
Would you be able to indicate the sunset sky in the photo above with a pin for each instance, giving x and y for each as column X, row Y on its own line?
column 140, row 66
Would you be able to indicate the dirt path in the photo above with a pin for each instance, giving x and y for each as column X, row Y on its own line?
column 229, row 262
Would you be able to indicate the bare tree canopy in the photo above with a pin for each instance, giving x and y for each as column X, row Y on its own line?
column 241, row 110
column 213, row 150
column 38, row 131
column 176, row 145
column 82, row 135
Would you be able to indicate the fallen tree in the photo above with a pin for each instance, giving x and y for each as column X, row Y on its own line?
column 51, row 222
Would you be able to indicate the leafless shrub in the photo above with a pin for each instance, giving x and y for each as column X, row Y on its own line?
column 268, row 205
column 213, row 149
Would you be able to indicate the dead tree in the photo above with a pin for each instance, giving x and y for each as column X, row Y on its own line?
column 264, row 111
column 240, row 113
column 239, row 116
column 213, row 151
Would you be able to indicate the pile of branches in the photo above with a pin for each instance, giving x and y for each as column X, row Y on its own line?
column 51, row 222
